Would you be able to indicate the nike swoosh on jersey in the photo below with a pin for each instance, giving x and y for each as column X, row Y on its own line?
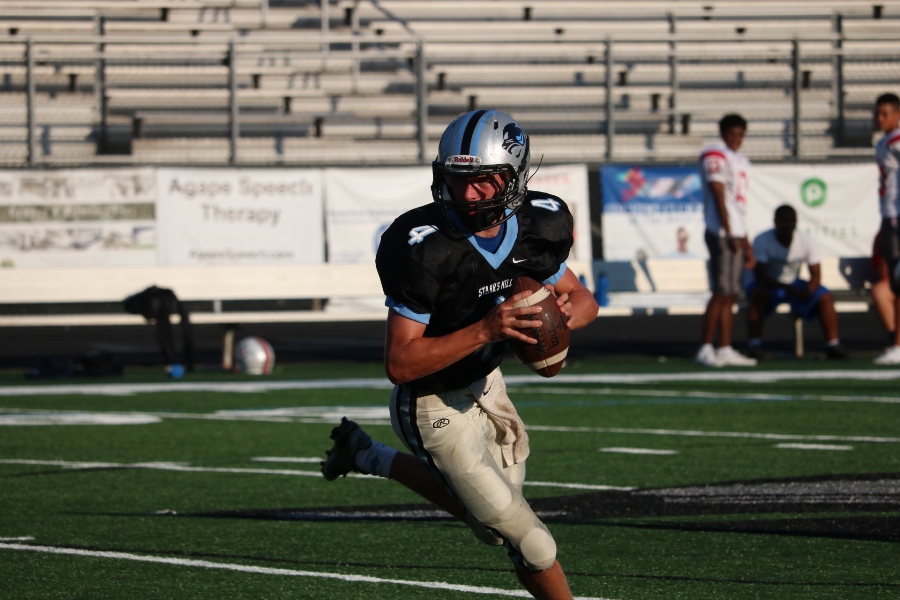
column 515, row 262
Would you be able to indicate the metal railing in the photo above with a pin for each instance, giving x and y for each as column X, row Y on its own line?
column 852, row 67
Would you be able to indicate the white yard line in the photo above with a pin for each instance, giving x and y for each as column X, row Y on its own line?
column 650, row 451
column 725, row 434
column 713, row 395
column 579, row 486
column 813, row 447
column 251, row 387
column 750, row 376
column 287, row 459
column 206, row 564
column 183, row 468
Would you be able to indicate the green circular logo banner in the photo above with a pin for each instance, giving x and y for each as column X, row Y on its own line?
column 813, row 192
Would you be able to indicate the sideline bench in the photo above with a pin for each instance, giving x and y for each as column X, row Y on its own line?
column 113, row 284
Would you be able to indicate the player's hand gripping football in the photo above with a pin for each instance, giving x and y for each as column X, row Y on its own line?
column 505, row 321
column 565, row 307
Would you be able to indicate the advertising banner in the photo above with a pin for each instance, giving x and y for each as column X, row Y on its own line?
column 569, row 182
column 652, row 212
column 362, row 203
column 240, row 216
column 87, row 217
column 836, row 204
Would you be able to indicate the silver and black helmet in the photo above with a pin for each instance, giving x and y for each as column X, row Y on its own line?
column 481, row 142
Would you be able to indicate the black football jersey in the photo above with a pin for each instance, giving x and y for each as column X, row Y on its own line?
column 445, row 280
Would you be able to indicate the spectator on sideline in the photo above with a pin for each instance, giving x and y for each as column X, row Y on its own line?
column 780, row 254
column 887, row 154
column 883, row 297
column 724, row 171
column 156, row 305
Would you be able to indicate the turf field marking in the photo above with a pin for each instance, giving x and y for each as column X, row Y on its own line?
column 206, row 564
column 165, row 466
column 639, row 451
column 726, row 434
column 25, row 538
column 28, row 418
column 252, row 387
column 578, row 486
column 813, row 447
column 184, row 468
column 287, row 459
column 728, row 376
column 710, row 395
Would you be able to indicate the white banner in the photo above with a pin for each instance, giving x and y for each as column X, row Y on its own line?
column 569, row 182
column 652, row 212
column 240, row 216
column 87, row 217
column 362, row 203
column 836, row 204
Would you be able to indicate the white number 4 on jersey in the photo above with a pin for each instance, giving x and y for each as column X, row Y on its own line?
column 551, row 205
column 417, row 234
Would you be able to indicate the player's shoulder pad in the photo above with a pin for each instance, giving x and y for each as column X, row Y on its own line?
column 549, row 215
column 893, row 140
column 545, row 205
column 714, row 151
column 413, row 227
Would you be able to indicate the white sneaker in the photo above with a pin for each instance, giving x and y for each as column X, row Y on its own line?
column 729, row 357
column 891, row 356
column 707, row 356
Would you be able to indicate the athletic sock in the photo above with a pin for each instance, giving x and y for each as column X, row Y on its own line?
column 834, row 342
column 376, row 459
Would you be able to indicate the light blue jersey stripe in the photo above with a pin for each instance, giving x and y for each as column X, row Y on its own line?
column 407, row 312
column 559, row 275
column 495, row 259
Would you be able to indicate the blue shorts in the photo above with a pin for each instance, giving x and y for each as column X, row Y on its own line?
column 807, row 309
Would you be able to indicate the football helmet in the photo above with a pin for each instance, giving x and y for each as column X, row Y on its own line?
column 477, row 146
column 254, row 356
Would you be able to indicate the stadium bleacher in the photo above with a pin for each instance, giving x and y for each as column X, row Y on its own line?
column 726, row 54
column 155, row 82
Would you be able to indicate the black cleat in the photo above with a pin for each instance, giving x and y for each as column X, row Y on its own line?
column 349, row 438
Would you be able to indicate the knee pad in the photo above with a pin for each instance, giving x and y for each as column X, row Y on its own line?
column 527, row 535
column 538, row 549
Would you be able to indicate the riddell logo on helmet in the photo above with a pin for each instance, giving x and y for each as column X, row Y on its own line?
column 462, row 160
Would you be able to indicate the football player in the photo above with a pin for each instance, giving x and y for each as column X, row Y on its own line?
column 725, row 176
column 887, row 154
column 780, row 253
column 883, row 297
column 447, row 269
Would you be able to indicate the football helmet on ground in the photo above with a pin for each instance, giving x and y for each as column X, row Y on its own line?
column 475, row 148
column 254, row 356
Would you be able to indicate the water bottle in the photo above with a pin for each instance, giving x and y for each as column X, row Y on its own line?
column 602, row 293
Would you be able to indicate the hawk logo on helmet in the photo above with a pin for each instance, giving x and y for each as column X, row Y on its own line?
column 513, row 139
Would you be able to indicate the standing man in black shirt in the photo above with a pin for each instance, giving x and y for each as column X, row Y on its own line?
column 447, row 269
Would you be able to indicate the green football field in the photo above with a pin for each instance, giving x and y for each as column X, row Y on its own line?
column 657, row 480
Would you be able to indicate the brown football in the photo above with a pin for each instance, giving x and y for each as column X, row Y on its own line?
column 546, row 357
